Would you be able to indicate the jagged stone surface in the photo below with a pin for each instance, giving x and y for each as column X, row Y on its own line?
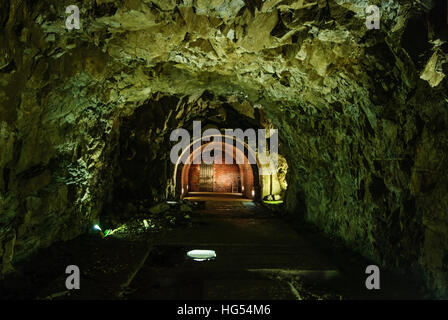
column 362, row 114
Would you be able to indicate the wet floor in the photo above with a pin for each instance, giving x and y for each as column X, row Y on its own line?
column 258, row 256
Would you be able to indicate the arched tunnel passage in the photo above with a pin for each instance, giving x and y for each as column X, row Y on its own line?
column 238, row 176
column 86, row 117
column 149, row 201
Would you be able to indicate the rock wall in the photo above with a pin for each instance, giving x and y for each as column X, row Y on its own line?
column 362, row 114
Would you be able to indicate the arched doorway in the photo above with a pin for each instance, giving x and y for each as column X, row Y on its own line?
column 239, row 177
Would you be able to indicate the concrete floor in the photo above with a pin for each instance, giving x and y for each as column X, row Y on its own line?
column 215, row 196
column 259, row 256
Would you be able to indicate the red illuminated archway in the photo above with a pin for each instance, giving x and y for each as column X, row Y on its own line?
column 224, row 174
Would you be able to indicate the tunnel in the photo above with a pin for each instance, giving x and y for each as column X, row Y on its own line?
column 228, row 149
column 240, row 178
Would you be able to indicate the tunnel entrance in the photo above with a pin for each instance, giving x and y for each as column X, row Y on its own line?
column 214, row 178
column 195, row 178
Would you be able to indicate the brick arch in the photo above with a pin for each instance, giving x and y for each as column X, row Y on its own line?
column 248, row 174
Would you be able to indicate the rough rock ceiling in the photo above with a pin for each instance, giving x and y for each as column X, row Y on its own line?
column 269, row 51
column 361, row 113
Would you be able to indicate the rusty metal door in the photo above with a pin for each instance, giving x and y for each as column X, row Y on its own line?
column 206, row 177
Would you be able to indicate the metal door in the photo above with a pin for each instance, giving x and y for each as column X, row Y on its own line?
column 206, row 177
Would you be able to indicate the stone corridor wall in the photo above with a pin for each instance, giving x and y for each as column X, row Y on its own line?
column 362, row 114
